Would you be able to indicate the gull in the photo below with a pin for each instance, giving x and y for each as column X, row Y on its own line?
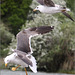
column 22, row 55
column 48, row 6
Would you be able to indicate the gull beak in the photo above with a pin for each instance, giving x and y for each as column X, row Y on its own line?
column 6, row 65
column 34, row 9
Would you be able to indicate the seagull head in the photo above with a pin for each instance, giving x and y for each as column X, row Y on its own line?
column 9, row 58
column 6, row 60
column 40, row 8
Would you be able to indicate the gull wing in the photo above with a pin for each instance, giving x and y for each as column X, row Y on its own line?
column 48, row 3
column 67, row 15
column 23, row 56
column 41, row 29
column 41, row 2
column 24, row 37
column 23, row 42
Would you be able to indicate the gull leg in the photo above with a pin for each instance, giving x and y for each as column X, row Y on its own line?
column 63, row 10
column 26, row 71
column 14, row 68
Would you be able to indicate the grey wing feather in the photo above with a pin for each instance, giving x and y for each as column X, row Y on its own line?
column 42, row 29
column 67, row 15
column 20, row 52
column 49, row 3
column 46, row 2
column 23, row 42
column 23, row 57
column 41, row 2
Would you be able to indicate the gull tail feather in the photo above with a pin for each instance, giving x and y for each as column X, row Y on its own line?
column 33, row 67
column 67, row 15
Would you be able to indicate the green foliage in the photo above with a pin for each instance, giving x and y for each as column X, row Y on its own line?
column 5, row 39
column 4, row 53
column 71, row 4
column 14, row 13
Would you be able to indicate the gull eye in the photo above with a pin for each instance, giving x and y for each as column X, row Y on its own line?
column 37, row 7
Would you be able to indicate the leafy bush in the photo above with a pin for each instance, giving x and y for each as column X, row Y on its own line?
column 14, row 13
column 5, row 39
column 71, row 4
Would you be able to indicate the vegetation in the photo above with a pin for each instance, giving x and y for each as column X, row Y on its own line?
column 67, row 71
column 14, row 13
column 71, row 4
column 5, row 40
column 53, row 51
